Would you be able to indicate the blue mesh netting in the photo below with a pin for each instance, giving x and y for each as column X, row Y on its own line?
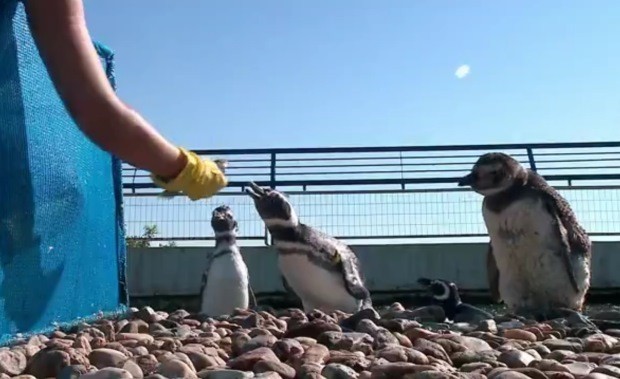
column 62, row 252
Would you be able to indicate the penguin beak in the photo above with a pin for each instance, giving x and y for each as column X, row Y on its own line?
column 255, row 191
column 467, row 180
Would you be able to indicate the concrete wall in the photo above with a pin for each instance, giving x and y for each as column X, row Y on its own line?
column 177, row 271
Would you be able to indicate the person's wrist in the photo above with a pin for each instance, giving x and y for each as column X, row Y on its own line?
column 175, row 168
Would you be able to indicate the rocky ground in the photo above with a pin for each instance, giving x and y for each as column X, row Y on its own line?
column 289, row 344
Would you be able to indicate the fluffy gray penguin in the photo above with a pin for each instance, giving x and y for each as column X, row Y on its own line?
column 322, row 271
column 539, row 255
column 225, row 281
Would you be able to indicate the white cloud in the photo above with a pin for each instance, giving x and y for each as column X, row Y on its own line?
column 462, row 71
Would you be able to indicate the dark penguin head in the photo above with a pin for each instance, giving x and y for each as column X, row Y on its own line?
column 494, row 173
column 444, row 293
column 273, row 207
column 224, row 224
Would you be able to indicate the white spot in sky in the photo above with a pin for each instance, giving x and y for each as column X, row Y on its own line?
column 462, row 71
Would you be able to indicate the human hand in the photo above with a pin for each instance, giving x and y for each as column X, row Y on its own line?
column 198, row 179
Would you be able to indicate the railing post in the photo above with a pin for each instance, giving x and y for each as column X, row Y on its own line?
column 266, row 235
column 272, row 184
column 530, row 156
column 272, row 172
column 402, row 174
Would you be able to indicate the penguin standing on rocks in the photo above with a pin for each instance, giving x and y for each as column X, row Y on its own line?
column 225, row 282
column 446, row 295
column 540, row 263
column 322, row 271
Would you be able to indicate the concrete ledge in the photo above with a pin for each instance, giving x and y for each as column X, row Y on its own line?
column 390, row 270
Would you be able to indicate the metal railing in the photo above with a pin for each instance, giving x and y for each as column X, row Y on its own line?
column 386, row 193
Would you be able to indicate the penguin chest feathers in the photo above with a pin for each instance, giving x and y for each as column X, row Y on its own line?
column 523, row 227
column 227, row 283
column 317, row 286
column 228, row 267
column 527, row 247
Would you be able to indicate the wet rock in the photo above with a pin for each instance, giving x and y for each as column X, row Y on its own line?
column 47, row 363
column 367, row 313
column 108, row 373
column 246, row 361
column 315, row 354
column 597, row 376
column 507, row 374
column 481, row 367
column 579, row 369
column 343, row 341
column 356, row 360
column 225, row 374
column 135, row 326
column 133, row 368
column 288, row 348
column 465, row 357
column 531, row 372
column 393, row 370
column 558, row 344
column 520, row 334
column 311, row 329
column 12, row 363
column 338, row 371
column 607, row 370
column 268, row 375
column 381, row 336
column 73, row 372
column 432, row 349
column 284, row 370
column 515, row 358
column 487, row 326
column 174, row 368
column 105, row 357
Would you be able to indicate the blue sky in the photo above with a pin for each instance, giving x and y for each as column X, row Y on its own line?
column 248, row 74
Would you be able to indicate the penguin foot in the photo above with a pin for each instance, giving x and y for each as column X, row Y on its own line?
column 573, row 318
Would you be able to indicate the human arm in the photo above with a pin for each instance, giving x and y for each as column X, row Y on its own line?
column 59, row 30
column 61, row 35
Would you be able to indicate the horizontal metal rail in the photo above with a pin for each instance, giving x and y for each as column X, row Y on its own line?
column 396, row 166
column 323, row 150
column 379, row 193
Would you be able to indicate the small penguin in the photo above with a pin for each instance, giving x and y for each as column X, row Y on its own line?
column 225, row 281
column 446, row 295
column 322, row 271
column 539, row 255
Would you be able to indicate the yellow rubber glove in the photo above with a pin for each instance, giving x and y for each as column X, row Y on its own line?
column 199, row 178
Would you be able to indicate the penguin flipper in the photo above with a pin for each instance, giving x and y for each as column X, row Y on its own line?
column 493, row 275
column 575, row 240
column 251, row 297
column 203, row 286
column 205, row 276
column 352, row 280
column 287, row 287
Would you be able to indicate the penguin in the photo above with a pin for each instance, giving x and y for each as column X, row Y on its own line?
column 225, row 281
column 446, row 295
column 321, row 270
column 539, row 256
